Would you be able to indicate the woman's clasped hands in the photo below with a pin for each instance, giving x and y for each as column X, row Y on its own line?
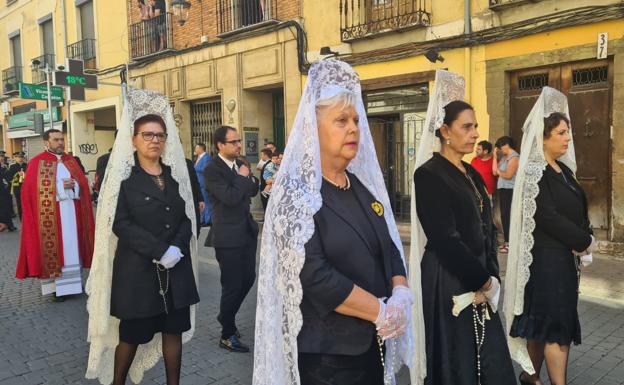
column 393, row 317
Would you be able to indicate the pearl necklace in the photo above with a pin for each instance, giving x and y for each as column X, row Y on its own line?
column 344, row 188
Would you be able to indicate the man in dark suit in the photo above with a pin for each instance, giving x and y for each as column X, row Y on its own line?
column 233, row 233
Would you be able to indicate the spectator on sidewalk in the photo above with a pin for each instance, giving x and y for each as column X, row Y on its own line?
column 483, row 164
column 265, row 159
column 202, row 159
column 505, row 166
column 270, row 172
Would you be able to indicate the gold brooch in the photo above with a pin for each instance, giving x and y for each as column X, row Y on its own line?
column 378, row 208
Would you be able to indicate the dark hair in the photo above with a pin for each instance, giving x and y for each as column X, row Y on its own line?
column 267, row 152
column 219, row 135
column 149, row 118
column 202, row 145
column 485, row 145
column 452, row 111
column 276, row 153
column 552, row 121
column 244, row 161
column 267, row 143
column 46, row 135
column 505, row 140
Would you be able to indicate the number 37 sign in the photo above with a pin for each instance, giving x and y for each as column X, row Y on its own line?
column 603, row 39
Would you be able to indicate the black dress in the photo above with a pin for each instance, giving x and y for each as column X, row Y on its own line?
column 150, row 218
column 551, row 294
column 459, row 257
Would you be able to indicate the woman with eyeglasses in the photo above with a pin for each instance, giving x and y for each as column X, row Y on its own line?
column 153, row 285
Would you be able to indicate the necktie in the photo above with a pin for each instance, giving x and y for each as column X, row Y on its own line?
column 234, row 169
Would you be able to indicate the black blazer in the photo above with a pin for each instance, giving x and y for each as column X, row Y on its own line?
column 338, row 256
column 230, row 196
column 561, row 219
column 147, row 222
column 6, row 204
column 462, row 238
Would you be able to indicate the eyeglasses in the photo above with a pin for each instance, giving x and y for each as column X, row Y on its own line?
column 237, row 141
column 149, row 136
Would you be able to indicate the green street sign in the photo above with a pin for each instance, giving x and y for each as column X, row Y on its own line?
column 39, row 92
column 25, row 119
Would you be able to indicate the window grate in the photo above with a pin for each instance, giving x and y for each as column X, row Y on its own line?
column 205, row 119
column 588, row 76
column 532, row 82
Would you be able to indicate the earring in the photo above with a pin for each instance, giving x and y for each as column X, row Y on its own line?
column 448, row 141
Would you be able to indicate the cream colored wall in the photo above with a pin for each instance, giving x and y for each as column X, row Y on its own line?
column 244, row 71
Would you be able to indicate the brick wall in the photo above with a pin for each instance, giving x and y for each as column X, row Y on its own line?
column 203, row 19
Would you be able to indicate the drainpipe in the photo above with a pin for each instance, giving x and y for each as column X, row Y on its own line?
column 65, row 44
column 467, row 51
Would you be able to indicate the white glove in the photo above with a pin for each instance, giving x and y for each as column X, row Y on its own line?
column 403, row 295
column 493, row 294
column 396, row 313
column 171, row 257
column 381, row 316
column 587, row 259
column 593, row 246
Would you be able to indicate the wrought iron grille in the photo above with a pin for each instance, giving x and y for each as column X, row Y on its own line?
column 148, row 37
column 494, row 4
column 362, row 18
column 83, row 50
column 38, row 76
column 532, row 82
column 236, row 15
column 205, row 118
column 10, row 79
column 588, row 76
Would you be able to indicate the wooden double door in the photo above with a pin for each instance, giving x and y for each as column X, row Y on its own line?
column 588, row 86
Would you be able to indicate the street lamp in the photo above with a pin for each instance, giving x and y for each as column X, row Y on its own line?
column 36, row 64
column 181, row 11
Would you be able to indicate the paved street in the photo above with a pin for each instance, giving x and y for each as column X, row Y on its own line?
column 42, row 342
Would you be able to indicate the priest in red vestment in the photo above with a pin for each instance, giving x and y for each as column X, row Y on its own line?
column 57, row 225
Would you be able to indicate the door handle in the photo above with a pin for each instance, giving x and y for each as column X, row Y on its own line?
column 587, row 178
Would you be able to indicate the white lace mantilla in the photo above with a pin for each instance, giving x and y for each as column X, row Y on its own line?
column 526, row 189
column 289, row 224
column 448, row 87
column 103, row 331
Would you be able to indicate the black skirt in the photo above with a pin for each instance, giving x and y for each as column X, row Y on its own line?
column 450, row 340
column 142, row 330
column 338, row 369
column 550, row 300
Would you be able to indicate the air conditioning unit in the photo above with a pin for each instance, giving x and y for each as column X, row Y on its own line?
column 6, row 108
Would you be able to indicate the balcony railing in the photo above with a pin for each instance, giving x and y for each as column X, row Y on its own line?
column 83, row 50
column 363, row 18
column 10, row 79
column 239, row 15
column 39, row 76
column 500, row 4
column 148, row 37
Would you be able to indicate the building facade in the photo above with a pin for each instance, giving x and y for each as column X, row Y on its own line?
column 235, row 63
column 507, row 50
column 51, row 31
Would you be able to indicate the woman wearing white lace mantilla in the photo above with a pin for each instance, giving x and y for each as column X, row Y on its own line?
column 332, row 282
column 454, row 235
column 142, row 287
column 550, row 238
